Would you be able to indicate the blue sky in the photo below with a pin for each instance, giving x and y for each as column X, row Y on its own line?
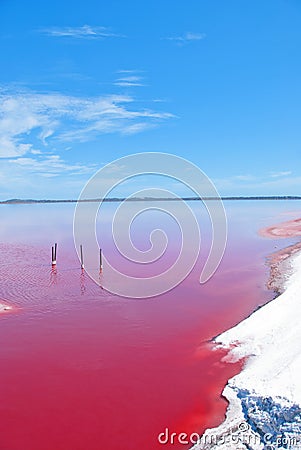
column 84, row 83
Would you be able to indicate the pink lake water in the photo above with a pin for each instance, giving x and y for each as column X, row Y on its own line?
column 82, row 369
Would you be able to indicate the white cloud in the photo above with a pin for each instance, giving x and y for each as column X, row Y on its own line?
column 42, row 177
column 160, row 100
column 29, row 121
column 83, row 32
column 275, row 183
column 187, row 37
column 11, row 147
column 128, row 84
column 130, row 80
column 280, row 174
column 45, row 134
column 129, row 71
column 244, row 177
column 36, row 152
column 51, row 165
column 138, row 128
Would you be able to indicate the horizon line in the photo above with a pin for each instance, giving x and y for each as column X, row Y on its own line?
column 122, row 199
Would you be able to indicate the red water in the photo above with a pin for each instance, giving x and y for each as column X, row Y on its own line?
column 85, row 370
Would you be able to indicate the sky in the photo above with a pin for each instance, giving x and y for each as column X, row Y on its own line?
column 214, row 81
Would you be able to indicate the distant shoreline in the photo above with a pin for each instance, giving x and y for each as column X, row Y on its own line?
column 146, row 199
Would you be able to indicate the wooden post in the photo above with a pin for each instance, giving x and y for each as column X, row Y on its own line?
column 100, row 259
column 81, row 257
column 53, row 256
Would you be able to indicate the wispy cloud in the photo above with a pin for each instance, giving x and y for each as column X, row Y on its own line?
column 273, row 183
column 280, row 174
column 42, row 176
column 50, row 166
column 129, row 71
column 244, row 177
column 30, row 121
column 83, row 32
column 36, row 126
column 187, row 37
column 128, row 81
column 138, row 127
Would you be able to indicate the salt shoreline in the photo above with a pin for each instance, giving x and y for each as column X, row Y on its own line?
column 291, row 228
column 281, row 267
column 4, row 308
column 264, row 400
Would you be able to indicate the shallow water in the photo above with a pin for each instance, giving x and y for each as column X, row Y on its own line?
column 84, row 369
